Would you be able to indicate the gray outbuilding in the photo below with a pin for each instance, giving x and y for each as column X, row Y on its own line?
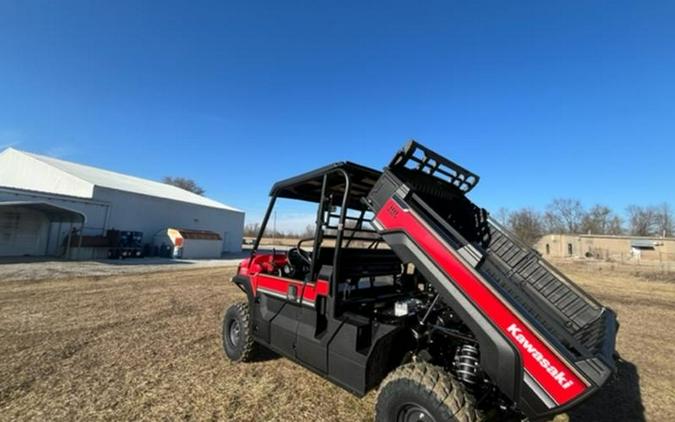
column 43, row 200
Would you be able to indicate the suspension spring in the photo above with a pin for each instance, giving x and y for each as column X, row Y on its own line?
column 466, row 363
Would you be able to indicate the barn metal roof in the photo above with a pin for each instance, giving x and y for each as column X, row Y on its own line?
column 68, row 178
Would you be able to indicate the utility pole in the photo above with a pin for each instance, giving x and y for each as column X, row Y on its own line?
column 274, row 230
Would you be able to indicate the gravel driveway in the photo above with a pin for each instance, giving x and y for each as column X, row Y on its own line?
column 40, row 269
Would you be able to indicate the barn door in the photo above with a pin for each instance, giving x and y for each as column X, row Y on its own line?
column 22, row 232
column 226, row 246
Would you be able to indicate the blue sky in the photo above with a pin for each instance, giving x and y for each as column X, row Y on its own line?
column 541, row 99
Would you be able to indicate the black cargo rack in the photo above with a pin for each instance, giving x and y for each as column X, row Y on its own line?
column 419, row 158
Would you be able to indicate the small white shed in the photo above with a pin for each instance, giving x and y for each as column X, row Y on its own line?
column 189, row 244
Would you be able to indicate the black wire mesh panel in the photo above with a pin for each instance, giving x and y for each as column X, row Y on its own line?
column 419, row 158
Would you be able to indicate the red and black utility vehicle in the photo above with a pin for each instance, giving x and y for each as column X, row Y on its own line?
column 407, row 285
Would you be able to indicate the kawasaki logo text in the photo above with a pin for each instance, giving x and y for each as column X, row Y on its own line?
column 559, row 376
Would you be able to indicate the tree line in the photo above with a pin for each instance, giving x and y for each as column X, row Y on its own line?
column 252, row 229
column 560, row 216
column 566, row 215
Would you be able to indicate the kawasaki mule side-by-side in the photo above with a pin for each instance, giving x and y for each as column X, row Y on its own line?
column 409, row 286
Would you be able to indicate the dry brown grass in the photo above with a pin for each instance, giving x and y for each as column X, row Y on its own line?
column 148, row 347
column 646, row 310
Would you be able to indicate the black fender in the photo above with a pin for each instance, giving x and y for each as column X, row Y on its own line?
column 244, row 283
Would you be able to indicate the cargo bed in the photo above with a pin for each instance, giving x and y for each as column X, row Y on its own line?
column 560, row 338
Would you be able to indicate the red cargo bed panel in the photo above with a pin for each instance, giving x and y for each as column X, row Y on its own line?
column 560, row 381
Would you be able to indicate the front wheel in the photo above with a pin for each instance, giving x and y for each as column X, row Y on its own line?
column 421, row 392
column 237, row 333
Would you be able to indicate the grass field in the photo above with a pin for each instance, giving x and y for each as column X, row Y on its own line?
column 147, row 347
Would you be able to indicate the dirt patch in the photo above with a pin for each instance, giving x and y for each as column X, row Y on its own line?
column 144, row 347
column 147, row 347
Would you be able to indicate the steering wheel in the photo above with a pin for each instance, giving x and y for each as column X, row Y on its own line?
column 303, row 254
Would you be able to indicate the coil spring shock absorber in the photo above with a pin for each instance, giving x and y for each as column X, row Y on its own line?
column 466, row 364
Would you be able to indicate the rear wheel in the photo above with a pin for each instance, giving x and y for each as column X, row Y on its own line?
column 422, row 392
column 237, row 333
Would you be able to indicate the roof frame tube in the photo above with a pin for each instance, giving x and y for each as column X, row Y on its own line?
column 338, row 237
column 318, row 234
column 266, row 218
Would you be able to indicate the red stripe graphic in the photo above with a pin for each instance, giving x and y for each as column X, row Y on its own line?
column 280, row 285
column 542, row 364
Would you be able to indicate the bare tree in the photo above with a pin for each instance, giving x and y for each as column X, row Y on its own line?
column 615, row 226
column 184, row 183
column 663, row 220
column 600, row 219
column 308, row 232
column 564, row 215
column 251, row 229
column 527, row 224
column 502, row 215
column 642, row 221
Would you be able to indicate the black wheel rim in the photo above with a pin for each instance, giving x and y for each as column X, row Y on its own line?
column 234, row 332
column 412, row 412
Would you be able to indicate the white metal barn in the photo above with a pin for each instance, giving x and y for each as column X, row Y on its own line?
column 43, row 198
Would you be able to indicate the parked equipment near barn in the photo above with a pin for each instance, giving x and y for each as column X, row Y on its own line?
column 188, row 243
column 125, row 244
column 408, row 285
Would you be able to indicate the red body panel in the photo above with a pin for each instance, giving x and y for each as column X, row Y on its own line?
column 261, row 273
column 544, row 366
column 265, row 263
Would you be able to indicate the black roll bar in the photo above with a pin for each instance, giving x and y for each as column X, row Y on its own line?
column 263, row 225
column 319, row 228
column 318, row 234
column 340, row 229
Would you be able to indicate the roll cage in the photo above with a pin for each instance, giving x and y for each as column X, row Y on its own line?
column 342, row 215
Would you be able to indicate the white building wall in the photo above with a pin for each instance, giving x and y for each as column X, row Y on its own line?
column 111, row 209
column 22, row 232
column 135, row 212
column 201, row 248
column 96, row 212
